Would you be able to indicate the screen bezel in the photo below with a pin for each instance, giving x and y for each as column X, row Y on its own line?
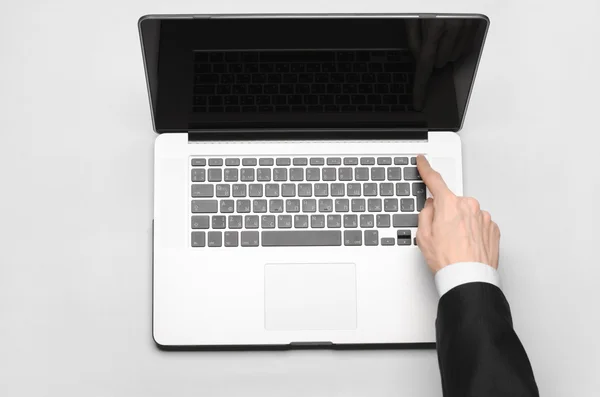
column 152, row 100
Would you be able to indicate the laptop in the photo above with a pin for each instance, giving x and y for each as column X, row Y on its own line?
column 286, row 193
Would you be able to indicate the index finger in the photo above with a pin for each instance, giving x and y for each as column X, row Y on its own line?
column 434, row 181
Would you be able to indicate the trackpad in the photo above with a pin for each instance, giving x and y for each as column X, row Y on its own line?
column 310, row 296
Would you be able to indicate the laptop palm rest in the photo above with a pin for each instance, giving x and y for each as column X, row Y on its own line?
column 310, row 296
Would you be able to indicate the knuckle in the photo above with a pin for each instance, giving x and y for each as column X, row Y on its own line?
column 487, row 217
column 472, row 204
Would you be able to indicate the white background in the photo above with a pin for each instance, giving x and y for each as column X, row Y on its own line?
column 76, row 205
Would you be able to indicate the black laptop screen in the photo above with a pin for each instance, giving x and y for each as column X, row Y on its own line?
column 326, row 72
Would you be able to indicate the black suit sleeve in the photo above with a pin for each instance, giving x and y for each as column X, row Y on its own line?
column 479, row 352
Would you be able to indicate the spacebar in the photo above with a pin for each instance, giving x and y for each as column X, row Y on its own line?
column 301, row 238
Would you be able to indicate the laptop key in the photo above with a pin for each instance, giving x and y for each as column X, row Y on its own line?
column 386, row 189
column 200, row 222
column 218, row 222
column 317, row 221
column 243, row 206
column 301, row 238
column 304, row 190
column 384, row 161
column 383, row 220
column 292, row 205
column 234, row 221
column 296, row 174
column 247, row 174
column 351, row 161
column 312, row 174
column 345, row 174
column 410, row 174
column 205, row 206
column 367, row 220
column 231, row 239
column 227, row 206
column 284, row 221
column 321, row 189
column 390, row 205
column 198, row 239
column 288, row 190
column 202, row 190
column 223, row 190
column 378, row 174
column 272, row 190
column 371, row 237
column 338, row 189
column 420, row 193
column 283, row 161
column 407, row 205
column 265, row 162
column 232, row 162
column 367, row 161
column 275, row 206
column 401, row 160
column 239, row 190
column 406, row 220
column 353, row 189
column 263, row 174
column 215, row 175
column 370, row 189
column 358, row 205
column 280, row 174
column 249, row 162
column 361, row 174
column 251, row 221
column 350, row 221
column 334, row 161
column 334, row 221
column 256, row 190
column 352, row 237
column 231, row 175
column 215, row 162
column 329, row 174
column 342, row 205
column 394, row 173
column 413, row 160
column 249, row 239
column 215, row 239
column 301, row 221
column 388, row 241
column 198, row 162
column 198, row 175
column 325, row 205
column 374, row 205
column 402, row 189
column 317, row 161
column 268, row 221
column 300, row 161
column 309, row 205
column 259, row 206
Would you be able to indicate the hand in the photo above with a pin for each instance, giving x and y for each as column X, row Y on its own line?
column 454, row 229
column 435, row 43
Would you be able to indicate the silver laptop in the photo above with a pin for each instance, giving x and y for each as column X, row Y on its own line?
column 286, row 193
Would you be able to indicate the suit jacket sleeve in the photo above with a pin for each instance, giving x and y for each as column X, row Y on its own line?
column 479, row 352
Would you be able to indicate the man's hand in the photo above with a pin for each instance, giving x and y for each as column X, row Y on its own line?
column 434, row 43
column 454, row 229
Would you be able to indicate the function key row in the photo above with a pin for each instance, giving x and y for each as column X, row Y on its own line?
column 300, row 161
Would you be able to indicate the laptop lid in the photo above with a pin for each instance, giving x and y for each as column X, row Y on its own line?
column 222, row 73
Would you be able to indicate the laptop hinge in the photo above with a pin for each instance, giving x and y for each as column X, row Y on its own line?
column 313, row 134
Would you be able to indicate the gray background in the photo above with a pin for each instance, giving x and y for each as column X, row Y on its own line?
column 76, row 205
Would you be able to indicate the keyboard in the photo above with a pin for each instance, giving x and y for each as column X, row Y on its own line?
column 304, row 201
column 312, row 81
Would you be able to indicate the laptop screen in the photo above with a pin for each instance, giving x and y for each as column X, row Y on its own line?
column 291, row 72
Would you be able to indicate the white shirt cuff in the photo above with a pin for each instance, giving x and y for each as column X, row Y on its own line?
column 461, row 273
